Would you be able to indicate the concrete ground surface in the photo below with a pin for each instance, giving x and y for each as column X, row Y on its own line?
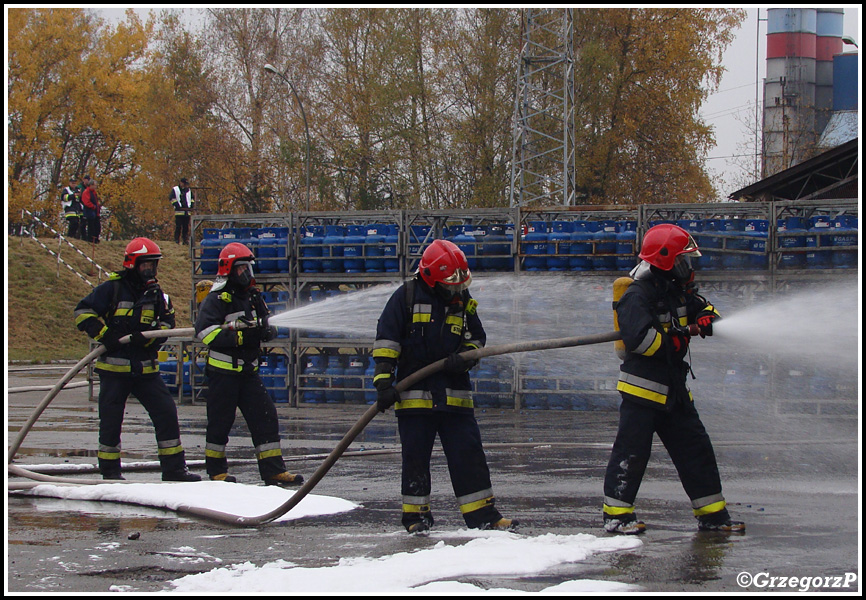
column 793, row 478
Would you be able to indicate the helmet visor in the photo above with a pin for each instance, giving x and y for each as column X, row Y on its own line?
column 242, row 273
column 458, row 281
column 691, row 247
column 683, row 266
column 147, row 268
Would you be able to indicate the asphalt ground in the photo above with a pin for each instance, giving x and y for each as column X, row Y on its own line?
column 793, row 478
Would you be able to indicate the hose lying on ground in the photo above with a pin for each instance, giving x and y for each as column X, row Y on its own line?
column 335, row 454
column 365, row 419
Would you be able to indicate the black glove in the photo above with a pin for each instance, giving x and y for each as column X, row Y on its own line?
column 269, row 333
column 679, row 342
column 152, row 290
column 386, row 398
column 137, row 339
column 705, row 320
column 111, row 340
column 455, row 363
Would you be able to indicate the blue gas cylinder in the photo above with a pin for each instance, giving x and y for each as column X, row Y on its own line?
column 495, row 249
column 486, row 380
column 559, row 245
column 736, row 242
column 818, row 236
column 282, row 249
column 332, row 249
column 418, row 241
column 535, row 244
column 390, row 251
column 374, row 250
column 353, row 248
column 604, row 256
column 279, row 379
column 312, row 371
column 626, row 253
column 210, row 251
column 369, row 388
column 168, row 373
column 353, row 381
column 266, row 258
column 792, row 234
column 334, row 380
column 533, row 382
column 844, row 236
column 756, row 233
column 581, row 247
column 266, row 371
column 310, row 247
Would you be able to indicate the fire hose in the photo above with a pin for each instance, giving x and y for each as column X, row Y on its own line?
column 330, row 460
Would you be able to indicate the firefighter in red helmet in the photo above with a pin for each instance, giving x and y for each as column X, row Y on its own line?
column 657, row 314
column 233, row 322
column 130, row 303
column 429, row 318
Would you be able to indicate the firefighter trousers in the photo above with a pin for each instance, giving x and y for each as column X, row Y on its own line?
column 467, row 466
column 151, row 392
column 684, row 437
column 228, row 392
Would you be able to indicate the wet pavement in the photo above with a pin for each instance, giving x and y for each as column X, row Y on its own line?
column 793, row 478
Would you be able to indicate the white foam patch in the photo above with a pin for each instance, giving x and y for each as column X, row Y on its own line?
column 431, row 570
column 232, row 498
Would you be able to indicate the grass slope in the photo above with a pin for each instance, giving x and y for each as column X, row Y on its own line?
column 41, row 294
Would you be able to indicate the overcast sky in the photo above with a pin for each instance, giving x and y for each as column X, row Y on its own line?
column 731, row 111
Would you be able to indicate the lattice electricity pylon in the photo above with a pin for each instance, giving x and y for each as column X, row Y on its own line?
column 542, row 162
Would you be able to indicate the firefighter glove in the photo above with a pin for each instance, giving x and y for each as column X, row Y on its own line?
column 136, row 338
column 455, row 363
column 269, row 333
column 111, row 339
column 679, row 342
column 386, row 398
column 705, row 322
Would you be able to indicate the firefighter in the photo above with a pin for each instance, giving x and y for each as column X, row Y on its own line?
column 232, row 368
column 654, row 315
column 130, row 303
column 73, row 211
column 429, row 318
column 182, row 200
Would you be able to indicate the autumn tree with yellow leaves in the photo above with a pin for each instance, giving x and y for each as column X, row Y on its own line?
column 406, row 108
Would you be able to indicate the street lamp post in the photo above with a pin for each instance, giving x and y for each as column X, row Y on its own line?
column 271, row 69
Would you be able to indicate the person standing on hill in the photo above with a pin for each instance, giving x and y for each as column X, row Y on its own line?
column 92, row 209
column 72, row 209
column 182, row 200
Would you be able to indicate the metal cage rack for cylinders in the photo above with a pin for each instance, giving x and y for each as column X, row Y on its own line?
column 307, row 257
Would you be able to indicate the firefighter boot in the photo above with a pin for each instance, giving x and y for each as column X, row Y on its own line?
column 502, row 524
column 626, row 524
column 420, row 524
column 180, row 475
column 720, row 521
column 110, row 469
column 173, row 466
column 285, row 479
column 224, row 477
